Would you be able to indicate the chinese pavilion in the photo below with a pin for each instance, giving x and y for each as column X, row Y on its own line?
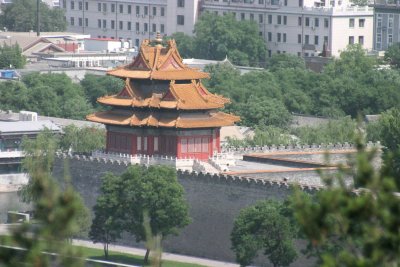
column 163, row 108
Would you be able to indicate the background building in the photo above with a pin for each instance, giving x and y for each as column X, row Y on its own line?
column 386, row 24
column 299, row 27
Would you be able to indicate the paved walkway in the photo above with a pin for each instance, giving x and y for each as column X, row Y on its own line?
column 165, row 255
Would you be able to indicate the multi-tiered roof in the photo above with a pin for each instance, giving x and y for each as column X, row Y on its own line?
column 161, row 91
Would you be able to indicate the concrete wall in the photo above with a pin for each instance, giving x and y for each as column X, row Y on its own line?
column 214, row 203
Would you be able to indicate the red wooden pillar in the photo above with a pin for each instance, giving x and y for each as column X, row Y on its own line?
column 178, row 147
column 217, row 135
column 133, row 149
column 150, row 145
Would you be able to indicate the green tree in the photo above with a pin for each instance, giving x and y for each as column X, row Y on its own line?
column 357, row 224
column 266, row 227
column 82, row 140
column 153, row 193
column 96, row 86
column 20, row 16
column 392, row 55
column 185, row 44
column 389, row 129
column 55, row 212
column 285, row 61
column 107, row 226
column 11, row 57
column 219, row 36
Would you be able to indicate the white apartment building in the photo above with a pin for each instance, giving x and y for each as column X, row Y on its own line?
column 299, row 27
column 133, row 20
column 302, row 27
column 387, row 24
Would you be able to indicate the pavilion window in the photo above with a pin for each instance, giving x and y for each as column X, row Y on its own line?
column 198, row 145
column 184, row 145
column 204, row 144
column 155, row 143
column 145, row 143
column 190, row 145
column 139, row 143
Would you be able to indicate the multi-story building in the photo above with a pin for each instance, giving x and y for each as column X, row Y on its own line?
column 130, row 20
column 386, row 24
column 299, row 27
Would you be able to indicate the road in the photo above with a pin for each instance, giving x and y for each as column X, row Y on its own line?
column 165, row 255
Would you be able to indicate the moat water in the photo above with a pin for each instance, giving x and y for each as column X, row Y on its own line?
column 10, row 202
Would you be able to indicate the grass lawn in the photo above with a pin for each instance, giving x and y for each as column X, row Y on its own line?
column 98, row 254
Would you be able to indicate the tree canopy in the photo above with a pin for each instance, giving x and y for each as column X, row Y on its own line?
column 392, row 55
column 140, row 193
column 11, row 57
column 217, row 37
column 264, row 226
column 20, row 16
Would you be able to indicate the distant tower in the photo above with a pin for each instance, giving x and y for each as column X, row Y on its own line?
column 163, row 108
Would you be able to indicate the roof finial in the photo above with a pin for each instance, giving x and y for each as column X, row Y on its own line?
column 158, row 39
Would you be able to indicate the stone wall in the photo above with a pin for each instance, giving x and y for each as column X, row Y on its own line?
column 214, row 200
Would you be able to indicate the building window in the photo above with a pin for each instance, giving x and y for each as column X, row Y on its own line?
column 204, row 144
column 284, row 20
column 162, row 12
column 80, row 5
column 104, row 7
column 129, row 26
column 300, row 3
column 129, row 9
column 112, row 24
column 269, row 53
column 379, row 38
column 326, row 39
column 379, row 21
column 284, row 37
column 316, row 22
column 99, row 23
column 278, row 37
column 181, row 3
column 326, row 23
column 104, row 23
column 144, row 143
column 86, row 6
column 269, row 36
column 137, row 26
column 279, row 19
column 146, row 10
column 390, row 21
column 242, row 16
column 351, row 40
column 269, row 19
column 162, row 28
column 190, row 145
column 299, row 38
column 260, row 18
column 261, row 2
column 361, row 40
column 351, row 23
column 184, row 146
column 307, row 22
column 121, row 25
column 251, row 16
column 361, row 23
column 137, row 10
column 307, row 39
column 86, row 22
column 180, row 20
column 316, row 40
column 72, row 21
column 299, row 21
column 121, row 8
column 99, row 7
column 154, row 27
column 390, row 39
column 80, row 22
column 154, row 11
column 72, row 5
column 145, row 27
